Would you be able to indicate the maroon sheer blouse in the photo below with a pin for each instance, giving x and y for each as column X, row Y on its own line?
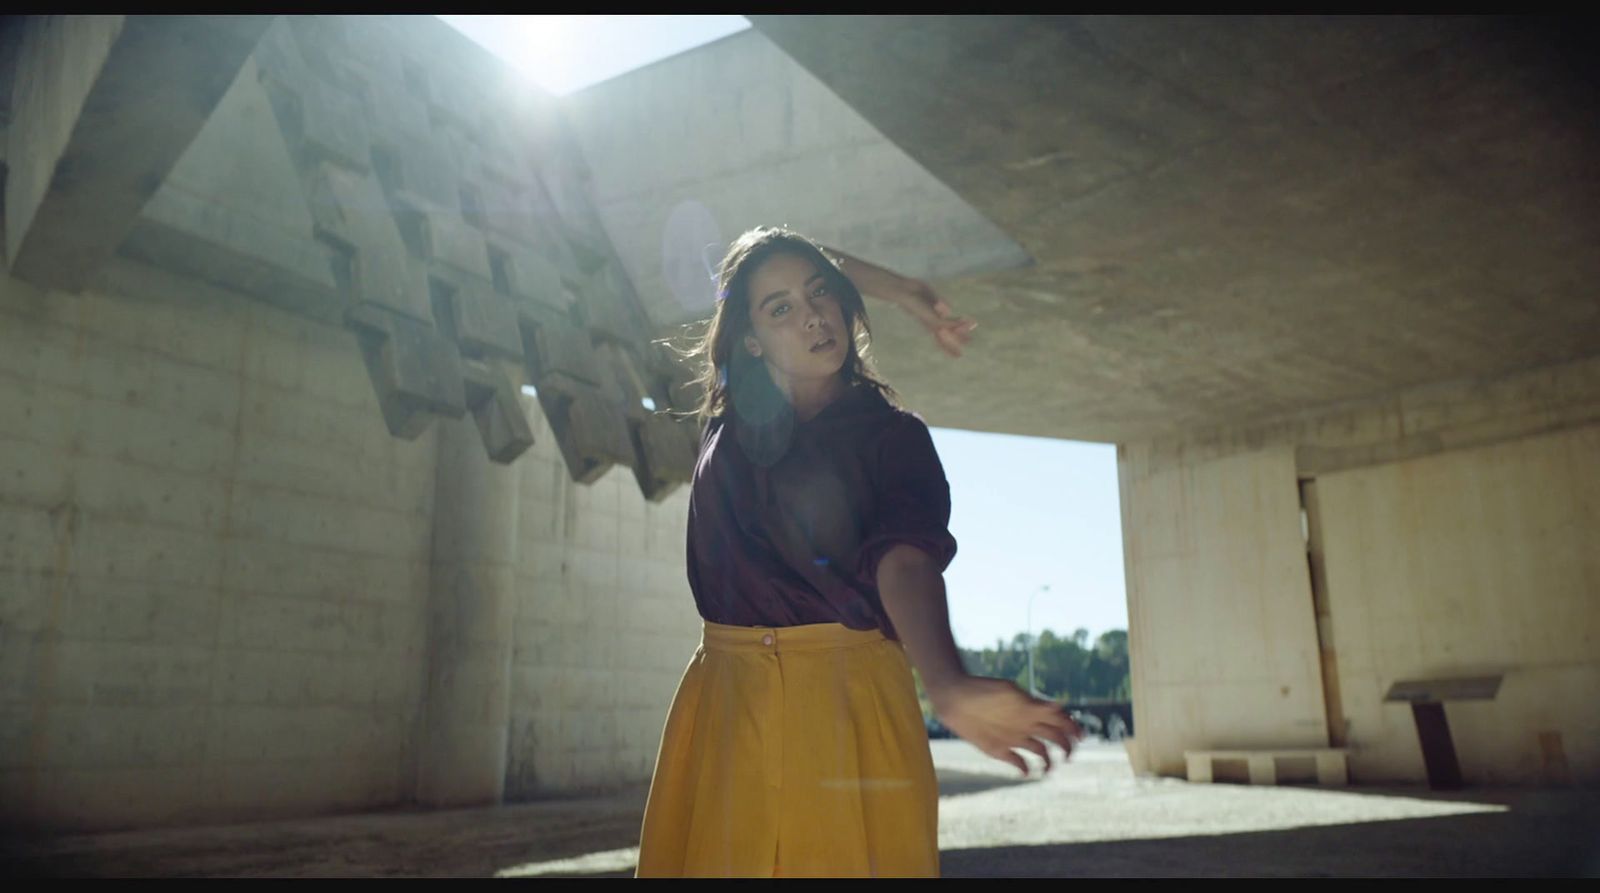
column 787, row 528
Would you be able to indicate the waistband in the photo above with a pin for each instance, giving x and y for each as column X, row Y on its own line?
column 807, row 637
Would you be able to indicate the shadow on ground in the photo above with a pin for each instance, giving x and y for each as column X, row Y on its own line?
column 1540, row 834
column 1486, row 845
column 955, row 783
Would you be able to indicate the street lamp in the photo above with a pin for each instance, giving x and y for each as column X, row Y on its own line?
column 1033, row 689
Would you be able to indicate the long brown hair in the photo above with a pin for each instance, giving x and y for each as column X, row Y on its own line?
column 724, row 364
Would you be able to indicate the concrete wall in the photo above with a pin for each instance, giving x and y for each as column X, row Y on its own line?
column 605, row 625
column 215, row 572
column 1456, row 526
column 214, row 560
column 1470, row 563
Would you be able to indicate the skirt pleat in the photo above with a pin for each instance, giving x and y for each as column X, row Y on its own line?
column 793, row 751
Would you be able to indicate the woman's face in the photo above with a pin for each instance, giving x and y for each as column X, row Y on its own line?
column 796, row 321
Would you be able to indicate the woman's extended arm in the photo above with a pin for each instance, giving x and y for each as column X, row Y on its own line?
column 993, row 715
column 914, row 297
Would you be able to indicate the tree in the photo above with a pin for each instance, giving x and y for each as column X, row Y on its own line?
column 1065, row 668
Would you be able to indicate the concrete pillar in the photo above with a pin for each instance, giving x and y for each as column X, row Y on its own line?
column 466, row 714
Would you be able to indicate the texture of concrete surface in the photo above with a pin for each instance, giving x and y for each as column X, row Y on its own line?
column 216, row 573
column 1235, row 218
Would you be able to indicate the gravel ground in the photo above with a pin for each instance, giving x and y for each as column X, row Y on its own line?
column 1088, row 817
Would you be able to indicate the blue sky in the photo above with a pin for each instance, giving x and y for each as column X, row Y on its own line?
column 1027, row 512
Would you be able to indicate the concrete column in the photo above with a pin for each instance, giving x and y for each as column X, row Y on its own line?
column 462, row 756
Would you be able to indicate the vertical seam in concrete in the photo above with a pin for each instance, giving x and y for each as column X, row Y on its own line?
column 508, row 667
column 1136, row 631
column 230, row 473
column 425, row 707
column 66, row 526
column 65, row 515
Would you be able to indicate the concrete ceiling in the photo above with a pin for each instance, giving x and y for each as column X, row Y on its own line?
column 1234, row 219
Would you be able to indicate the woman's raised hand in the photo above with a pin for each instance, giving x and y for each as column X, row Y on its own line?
column 997, row 717
column 915, row 297
column 925, row 306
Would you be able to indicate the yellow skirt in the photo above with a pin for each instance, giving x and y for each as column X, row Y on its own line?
column 794, row 751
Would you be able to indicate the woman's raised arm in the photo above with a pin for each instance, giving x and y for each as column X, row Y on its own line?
column 914, row 296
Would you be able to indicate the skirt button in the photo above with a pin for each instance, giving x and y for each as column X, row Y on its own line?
column 766, row 639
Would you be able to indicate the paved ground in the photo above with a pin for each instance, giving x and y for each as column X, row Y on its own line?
column 1090, row 817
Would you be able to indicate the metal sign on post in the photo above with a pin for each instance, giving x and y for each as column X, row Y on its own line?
column 1427, row 697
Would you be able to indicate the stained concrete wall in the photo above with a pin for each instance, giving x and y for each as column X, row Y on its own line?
column 215, row 570
column 1456, row 525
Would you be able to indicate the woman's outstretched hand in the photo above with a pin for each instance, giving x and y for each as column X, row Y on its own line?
column 925, row 306
column 997, row 717
column 915, row 297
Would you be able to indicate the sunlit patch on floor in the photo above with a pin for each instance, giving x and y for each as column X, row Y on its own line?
column 1095, row 797
column 589, row 863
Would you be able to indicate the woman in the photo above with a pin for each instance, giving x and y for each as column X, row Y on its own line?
column 817, row 541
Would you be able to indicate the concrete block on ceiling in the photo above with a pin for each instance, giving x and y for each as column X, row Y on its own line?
column 233, row 211
column 510, row 213
column 103, row 108
column 454, row 103
column 399, row 113
column 321, row 41
column 590, row 429
column 333, row 127
column 666, row 448
column 182, row 233
column 560, row 355
column 349, row 210
column 589, row 251
column 526, row 275
column 320, row 119
column 493, row 397
column 485, row 323
column 418, row 170
column 414, row 370
column 371, row 44
column 502, row 160
column 451, row 242
column 606, row 301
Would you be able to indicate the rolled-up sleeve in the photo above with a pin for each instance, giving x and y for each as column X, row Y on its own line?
column 912, row 499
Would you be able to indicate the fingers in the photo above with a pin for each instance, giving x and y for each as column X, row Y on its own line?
column 1006, row 755
column 1056, row 726
column 933, row 312
column 953, row 336
column 1039, row 748
column 1055, row 735
column 1009, row 754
